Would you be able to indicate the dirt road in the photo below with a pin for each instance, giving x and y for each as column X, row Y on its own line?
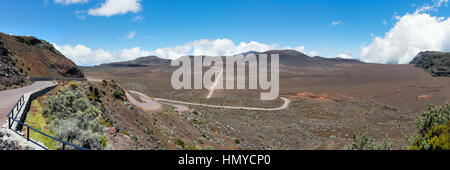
column 284, row 106
column 151, row 104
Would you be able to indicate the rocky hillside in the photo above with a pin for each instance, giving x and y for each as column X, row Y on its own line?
column 26, row 56
column 9, row 74
column 436, row 63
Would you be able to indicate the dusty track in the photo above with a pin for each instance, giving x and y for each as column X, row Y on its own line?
column 151, row 105
column 284, row 106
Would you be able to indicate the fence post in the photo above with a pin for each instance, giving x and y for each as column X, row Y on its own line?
column 64, row 146
column 9, row 122
column 28, row 133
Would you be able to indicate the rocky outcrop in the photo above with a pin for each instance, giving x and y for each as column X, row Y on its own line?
column 9, row 74
column 436, row 63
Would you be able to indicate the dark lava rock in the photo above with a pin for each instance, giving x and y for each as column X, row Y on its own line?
column 9, row 75
column 436, row 63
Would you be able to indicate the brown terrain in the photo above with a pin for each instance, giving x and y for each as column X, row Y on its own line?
column 26, row 56
column 331, row 100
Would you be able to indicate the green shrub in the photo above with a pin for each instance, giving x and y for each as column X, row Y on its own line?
column 74, row 119
column 104, row 82
column 118, row 94
column 208, row 148
column 74, row 85
column 364, row 142
column 104, row 141
column 191, row 146
column 433, row 117
column 180, row 142
column 237, row 141
column 438, row 138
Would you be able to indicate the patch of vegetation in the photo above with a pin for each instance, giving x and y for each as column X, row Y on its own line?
column 37, row 121
column 118, row 94
column 433, row 117
column 433, row 128
column 208, row 148
column 74, row 119
column 237, row 141
column 73, row 85
column 104, row 123
column 438, row 138
column 180, row 142
column 365, row 142
column 104, row 83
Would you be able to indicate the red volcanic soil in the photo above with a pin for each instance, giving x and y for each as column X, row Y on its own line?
column 330, row 102
column 396, row 85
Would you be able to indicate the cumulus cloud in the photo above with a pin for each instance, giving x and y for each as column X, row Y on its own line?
column 67, row 2
column 83, row 55
column 411, row 34
column 116, row 7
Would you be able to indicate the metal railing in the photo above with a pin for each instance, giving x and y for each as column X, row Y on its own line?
column 12, row 118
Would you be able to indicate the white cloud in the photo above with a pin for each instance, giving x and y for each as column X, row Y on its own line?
column 346, row 55
column 67, row 2
column 115, row 7
column 313, row 53
column 130, row 35
column 83, row 55
column 299, row 48
column 411, row 34
column 335, row 23
column 436, row 4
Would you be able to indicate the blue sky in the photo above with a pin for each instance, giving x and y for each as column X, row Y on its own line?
column 323, row 27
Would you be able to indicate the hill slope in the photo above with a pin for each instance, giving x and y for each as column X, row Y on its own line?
column 26, row 56
column 141, row 62
column 287, row 57
column 436, row 63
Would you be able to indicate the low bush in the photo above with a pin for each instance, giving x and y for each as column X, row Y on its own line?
column 433, row 117
column 433, row 129
column 365, row 142
column 74, row 119
column 117, row 94
column 438, row 138
column 73, row 85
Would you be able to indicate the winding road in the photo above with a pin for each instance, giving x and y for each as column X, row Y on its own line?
column 151, row 104
column 9, row 98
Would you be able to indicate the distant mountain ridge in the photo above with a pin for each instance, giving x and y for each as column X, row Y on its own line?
column 434, row 62
column 287, row 57
column 140, row 62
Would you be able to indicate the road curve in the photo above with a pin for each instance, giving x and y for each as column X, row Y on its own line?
column 9, row 98
column 284, row 106
column 151, row 104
